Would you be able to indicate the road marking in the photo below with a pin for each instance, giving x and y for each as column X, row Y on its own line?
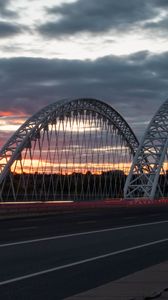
column 55, row 237
column 22, row 228
column 91, row 259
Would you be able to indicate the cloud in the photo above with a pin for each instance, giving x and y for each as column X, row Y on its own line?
column 160, row 28
column 160, row 3
column 4, row 9
column 96, row 16
column 135, row 84
column 8, row 29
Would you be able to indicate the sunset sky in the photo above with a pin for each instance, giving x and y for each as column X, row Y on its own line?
column 115, row 51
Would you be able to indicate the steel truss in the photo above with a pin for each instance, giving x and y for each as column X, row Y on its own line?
column 41, row 126
column 147, row 166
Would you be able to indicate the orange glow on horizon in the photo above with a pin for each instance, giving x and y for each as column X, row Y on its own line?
column 10, row 121
column 69, row 168
column 5, row 113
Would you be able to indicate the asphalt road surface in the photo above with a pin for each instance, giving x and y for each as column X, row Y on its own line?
column 56, row 257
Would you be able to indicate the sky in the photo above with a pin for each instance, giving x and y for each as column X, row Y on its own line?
column 116, row 51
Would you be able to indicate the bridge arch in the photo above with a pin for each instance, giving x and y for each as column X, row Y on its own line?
column 143, row 179
column 36, row 133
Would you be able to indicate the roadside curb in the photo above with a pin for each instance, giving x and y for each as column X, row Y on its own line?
column 150, row 283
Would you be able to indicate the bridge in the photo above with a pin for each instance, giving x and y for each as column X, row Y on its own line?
column 83, row 149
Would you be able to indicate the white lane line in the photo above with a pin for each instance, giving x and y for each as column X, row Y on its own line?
column 23, row 228
column 81, row 262
column 55, row 237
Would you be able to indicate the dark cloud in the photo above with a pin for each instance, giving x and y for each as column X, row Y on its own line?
column 5, row 10
column 135, row 84
column 160, row 3
column 160, row 28
column 8, row 29
column 96, row 16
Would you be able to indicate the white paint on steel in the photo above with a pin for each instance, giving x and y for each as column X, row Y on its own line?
column 142, row 180
column 31, row 129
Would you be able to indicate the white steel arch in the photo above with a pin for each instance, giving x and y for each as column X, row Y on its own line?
column 30, row 130
column 147, row 165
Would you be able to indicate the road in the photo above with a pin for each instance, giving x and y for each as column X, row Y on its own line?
column 56, row 257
